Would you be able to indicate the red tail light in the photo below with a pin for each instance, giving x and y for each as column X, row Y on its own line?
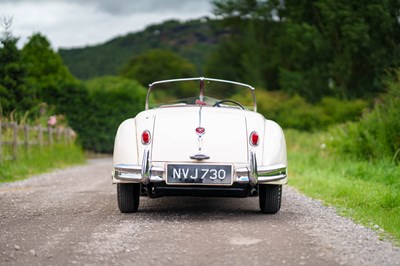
column 146, row 138
column 254, row 138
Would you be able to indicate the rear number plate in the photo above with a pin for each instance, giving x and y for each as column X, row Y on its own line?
column 199, row 174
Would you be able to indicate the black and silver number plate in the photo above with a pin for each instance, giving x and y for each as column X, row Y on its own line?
column 199, row 174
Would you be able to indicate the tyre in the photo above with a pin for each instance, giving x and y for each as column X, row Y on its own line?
column 128, row 197
column 270, row 198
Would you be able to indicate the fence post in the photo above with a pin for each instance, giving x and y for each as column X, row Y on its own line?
column 50, row 131
column 15, row 141
column 69, row 131
column 58, row 134
column 65, row 135
column 40, row 136
column 26, row 137
column 1, row 142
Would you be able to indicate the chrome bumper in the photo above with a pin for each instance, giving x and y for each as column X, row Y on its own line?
column 146, row 173
column 262, row 174
column 271, row 173
column 265, row 173
column 133, row 174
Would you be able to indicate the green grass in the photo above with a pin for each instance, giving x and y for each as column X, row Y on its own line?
column 38, row 161
column 368, row 192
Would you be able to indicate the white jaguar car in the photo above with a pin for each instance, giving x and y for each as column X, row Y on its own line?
column 198, row 137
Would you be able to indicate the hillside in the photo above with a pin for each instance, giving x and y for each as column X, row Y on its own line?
column 192, row 39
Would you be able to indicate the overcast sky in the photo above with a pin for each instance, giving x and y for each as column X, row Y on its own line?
column 76, row 23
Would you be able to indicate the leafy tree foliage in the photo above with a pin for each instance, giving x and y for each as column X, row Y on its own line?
column 13, row 92
column 36, row 76
column 157, row 65
column 94, row 109
column 315, row 48
column 47, row 76
column 160, row 64
column 51, row 82
column 112, row 100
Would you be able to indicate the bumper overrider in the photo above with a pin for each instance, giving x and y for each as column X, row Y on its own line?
column 146, row 173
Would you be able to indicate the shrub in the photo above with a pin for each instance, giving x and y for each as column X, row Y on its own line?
column 295, row 112
column 112, row 100
column 376, row 135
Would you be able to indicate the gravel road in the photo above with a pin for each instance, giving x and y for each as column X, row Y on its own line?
column 71, row 217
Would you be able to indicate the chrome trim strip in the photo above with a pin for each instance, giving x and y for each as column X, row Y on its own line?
column 146, row 167
column 253, row 176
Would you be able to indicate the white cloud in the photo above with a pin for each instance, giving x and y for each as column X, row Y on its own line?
column 79, row 23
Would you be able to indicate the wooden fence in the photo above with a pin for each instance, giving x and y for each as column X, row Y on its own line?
column 14, row 138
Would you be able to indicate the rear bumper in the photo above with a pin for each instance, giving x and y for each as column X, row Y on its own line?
column 253, row 174
column 271, row 173
column 129, row 173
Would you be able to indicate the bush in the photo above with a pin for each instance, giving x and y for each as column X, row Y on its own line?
column 376, row 135
column 295, row 112
column 112, row 100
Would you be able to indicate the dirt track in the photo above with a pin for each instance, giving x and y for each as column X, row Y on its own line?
column 71, row 217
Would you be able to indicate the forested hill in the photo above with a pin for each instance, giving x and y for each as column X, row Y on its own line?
column 193, row 40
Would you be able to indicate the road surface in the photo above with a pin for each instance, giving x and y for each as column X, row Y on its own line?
column 70, row 217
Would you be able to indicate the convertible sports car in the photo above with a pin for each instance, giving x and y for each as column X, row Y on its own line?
column 207, row 143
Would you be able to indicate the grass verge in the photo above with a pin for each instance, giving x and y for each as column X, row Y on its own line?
column 38, row 161
column 368, row 192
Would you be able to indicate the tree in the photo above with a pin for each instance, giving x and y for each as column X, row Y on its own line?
column 238, row 56
column 51, row 82
column 156, row 65
column 323, row 47
column 46, row 73
column 13, row 93
column 112, row 100
column 356, row 43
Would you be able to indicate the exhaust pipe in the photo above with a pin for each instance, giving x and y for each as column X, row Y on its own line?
column 143, row 191
column 253, row 192
column 150, row 191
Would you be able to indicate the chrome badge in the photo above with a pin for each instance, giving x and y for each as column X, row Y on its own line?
column 200, row 131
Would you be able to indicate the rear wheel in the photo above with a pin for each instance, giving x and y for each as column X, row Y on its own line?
column 128, row 197
column 270, row 198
